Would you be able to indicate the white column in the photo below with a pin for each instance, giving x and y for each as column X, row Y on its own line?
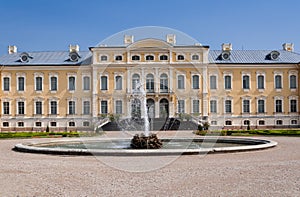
column 171, row 79
column 157, row 80
column 156, row 109
column 205, row 91
column 128, row 81
column 95, row 96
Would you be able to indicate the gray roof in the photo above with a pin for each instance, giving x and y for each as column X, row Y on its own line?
column 46, row 58
column 236, row 57
column 254, row 57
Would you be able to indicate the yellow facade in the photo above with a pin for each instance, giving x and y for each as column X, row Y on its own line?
column 179, row 84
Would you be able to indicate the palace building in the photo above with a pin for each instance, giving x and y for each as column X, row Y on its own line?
column 73, row 89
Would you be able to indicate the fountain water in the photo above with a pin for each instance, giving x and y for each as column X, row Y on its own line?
column 145, row 110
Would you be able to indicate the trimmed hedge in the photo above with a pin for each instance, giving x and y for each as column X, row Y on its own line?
column 250, row 132
column 39, row 134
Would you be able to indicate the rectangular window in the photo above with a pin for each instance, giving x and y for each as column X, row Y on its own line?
column 53, row 124
column 195, row 82
column 21, row 83
column 246, row 82
column 53, row 83
column 278, row 84
column 72, row 124
column 278, row 106
column 104, row 107
column 293, row 105
column 118, row 107
column 293, row 82
column 195, row 106
column 103, row 83
column 6, row 110
column 118, row 82
column 71, row 107
column 86, row 124
column 86, row 107
column 261, row 82
column 261, row 106
column 227, row 82
column 21, row 108
column 38, row 83
column 86, row 83
column 180, row 82
column 213, row 122
column 71, row 83
column 53, row 107
column 213, row 82
column 213, row 106
column 228, row 106
column 38, row 107
column 20, row 124
column 181, row 106
column 5, row 124
column 6, row 84
column 246, row 106
column 38, row 124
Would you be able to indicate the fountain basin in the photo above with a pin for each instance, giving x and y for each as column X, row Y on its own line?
column 121, row 147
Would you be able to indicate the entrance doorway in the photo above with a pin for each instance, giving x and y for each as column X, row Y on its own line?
column 163, row 108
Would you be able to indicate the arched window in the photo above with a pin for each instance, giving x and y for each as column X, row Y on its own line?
column 195, row 82
column 227, row 82
column 150, row 83
column 103, row 82
column 278, row 84
column 135, row 58
column 135, row 82
column 149, row 57
column 164, row 83
column 53, row 83
column 118, row 82
column 246, row 82
column 213, row 82
column 71, row 83
column 103, row 58
column 195, row 57
column 293, row 82
column 180, row 57
column 261, row 82
column 86, row 83
column 180, row 82
column 163, row 57
column 118, row 58
column 246, row 122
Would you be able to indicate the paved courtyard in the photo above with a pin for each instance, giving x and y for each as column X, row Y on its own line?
column 270, row 172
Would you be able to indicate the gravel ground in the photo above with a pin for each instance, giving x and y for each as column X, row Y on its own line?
column 270, row 172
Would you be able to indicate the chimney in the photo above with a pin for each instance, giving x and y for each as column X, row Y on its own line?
column 12, row 49
column 226, row 47
column 288, row 47
column 74, row 48
column 128, row 39
column 171, row 39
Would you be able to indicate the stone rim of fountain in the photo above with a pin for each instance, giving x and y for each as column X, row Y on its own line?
column 258, row 145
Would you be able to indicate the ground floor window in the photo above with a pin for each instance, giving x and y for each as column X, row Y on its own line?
column 5, row 124
column 294, row 122
column 38, row 124
column 72, row 124
column 246, row 122
column 279, row 122
column 228, row 122
column 261, row 122
column 214, row 122
column 20, row 124
column 53, row 124
column 86, row 123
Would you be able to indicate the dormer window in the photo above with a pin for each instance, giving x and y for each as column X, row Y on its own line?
column 180, row 57
column 149, row 57
column 274, row 55
column 24, row 57
column 135, row 58
column 163, row 57
column 74, row 56
column 103, row 58
column 118, row 58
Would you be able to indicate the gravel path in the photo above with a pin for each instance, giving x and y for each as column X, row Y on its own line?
column 270, row 172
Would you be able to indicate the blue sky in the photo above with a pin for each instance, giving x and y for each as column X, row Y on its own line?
column 41, row 25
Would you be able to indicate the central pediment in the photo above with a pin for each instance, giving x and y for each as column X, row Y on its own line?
column 149, row 43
